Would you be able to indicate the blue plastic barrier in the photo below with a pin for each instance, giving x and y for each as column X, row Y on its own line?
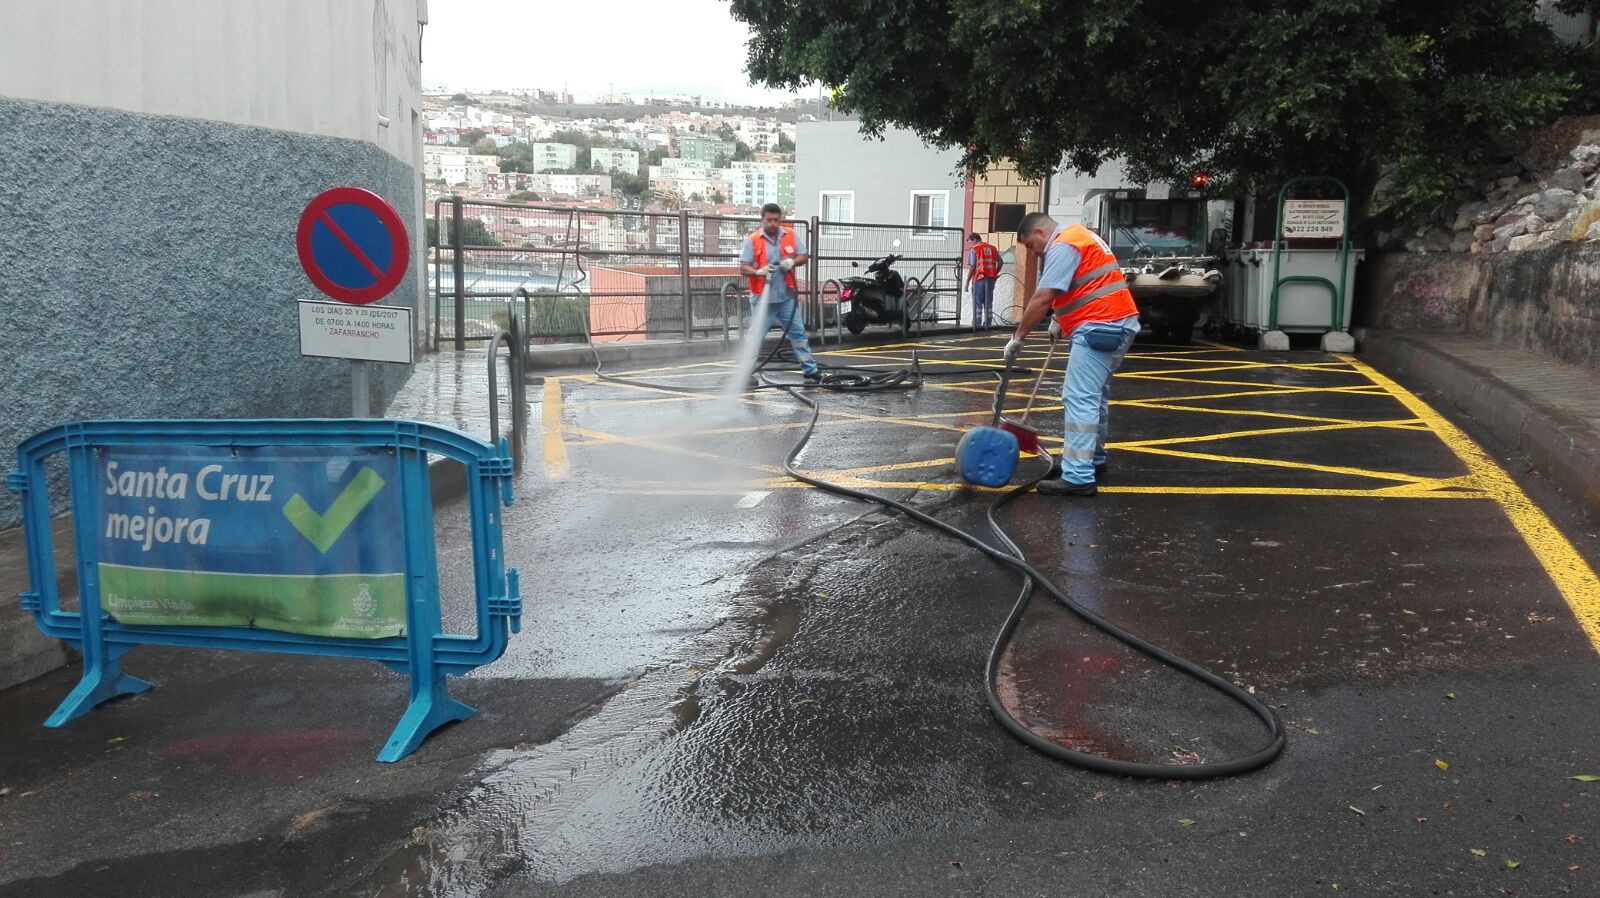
column 194, row 518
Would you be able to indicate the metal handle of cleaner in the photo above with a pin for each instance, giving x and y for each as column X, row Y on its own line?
column 1048, row 357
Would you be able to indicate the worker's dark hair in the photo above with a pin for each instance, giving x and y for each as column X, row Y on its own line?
column 974, row 236
column 771, row 207
column 1032, row 222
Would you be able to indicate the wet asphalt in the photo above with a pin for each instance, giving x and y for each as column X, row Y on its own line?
column 729, row 685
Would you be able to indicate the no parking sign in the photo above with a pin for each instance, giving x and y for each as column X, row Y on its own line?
column 353, row 247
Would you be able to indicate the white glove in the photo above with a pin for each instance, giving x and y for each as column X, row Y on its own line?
column 787, row 265
column 1055, row 330
column 1013, row 349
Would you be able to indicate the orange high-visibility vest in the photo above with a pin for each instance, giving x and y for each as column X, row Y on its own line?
column 786, row 248
column 985, row 261
column 1098, row 291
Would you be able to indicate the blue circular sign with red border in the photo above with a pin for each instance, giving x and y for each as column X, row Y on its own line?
column 352, row 245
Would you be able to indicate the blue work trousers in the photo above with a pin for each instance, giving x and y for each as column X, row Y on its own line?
column 784, row 314
column 1086, row 397
column 982, row 301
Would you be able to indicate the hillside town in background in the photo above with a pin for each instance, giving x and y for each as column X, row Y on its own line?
column 610, row 152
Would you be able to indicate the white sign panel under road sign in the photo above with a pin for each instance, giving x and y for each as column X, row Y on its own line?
column 340, row 331
column 1313, row 218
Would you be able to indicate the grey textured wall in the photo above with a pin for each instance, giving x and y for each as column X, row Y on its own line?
column 148, row 268
column 1546, row 301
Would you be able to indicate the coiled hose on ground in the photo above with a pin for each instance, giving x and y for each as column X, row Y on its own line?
column 846, row 379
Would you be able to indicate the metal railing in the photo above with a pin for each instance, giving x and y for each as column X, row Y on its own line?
column 511, row 336
column 636, row 275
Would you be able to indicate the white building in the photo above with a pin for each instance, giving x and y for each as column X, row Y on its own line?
column 554, row 156
column 757, row 183
column 680, row 168
column 608, row 159
column 547, row 185
column 457, row 166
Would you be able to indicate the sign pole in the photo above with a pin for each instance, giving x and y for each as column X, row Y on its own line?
column 361, row 389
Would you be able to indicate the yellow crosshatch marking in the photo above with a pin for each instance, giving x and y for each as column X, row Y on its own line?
column 1482, row 478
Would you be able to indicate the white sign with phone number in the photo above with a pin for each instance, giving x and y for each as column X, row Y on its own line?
column 1313, row 218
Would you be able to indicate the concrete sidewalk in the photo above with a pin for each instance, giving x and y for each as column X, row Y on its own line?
column 1545, row 409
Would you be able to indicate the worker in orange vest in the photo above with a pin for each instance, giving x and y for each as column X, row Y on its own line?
column 1082, row 290
column 983, row 266
column 773, row 251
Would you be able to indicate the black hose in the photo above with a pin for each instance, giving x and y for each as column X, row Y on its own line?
column 854, row 380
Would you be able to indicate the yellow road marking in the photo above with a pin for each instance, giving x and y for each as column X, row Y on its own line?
column 555, row 446
column 1363, row 390
column 1147, row 403
column 1573, row 576
column 1240, row 434
column 1279, row 463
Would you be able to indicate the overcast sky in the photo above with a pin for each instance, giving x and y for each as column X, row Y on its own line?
column 660, row 46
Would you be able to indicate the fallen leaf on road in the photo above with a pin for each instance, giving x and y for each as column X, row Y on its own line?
column 1572, row 839
column 1586, row 778
column 4, row 791
column 1478, row 851
column 1186, row 822
column 1520, row 819
column 1358, row 811
column 1445, row 806
column 115, row 739
column 1450, row 696
column 1440, row 764
column 1511, row 864
column 1422, row 820
column 806, row 701
column 956, row 864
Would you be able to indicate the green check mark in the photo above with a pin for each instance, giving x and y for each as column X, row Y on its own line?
column 323, row 530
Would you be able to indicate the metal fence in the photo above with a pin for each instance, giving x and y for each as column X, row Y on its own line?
column 578, row 273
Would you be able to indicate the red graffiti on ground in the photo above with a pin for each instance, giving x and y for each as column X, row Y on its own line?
column 284, row 756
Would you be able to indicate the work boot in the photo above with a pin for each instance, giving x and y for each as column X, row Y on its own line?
column 1102, row 471
column 1059, row 487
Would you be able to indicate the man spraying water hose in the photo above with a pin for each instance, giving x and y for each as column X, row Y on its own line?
column 1082, row 289
column 773, row 251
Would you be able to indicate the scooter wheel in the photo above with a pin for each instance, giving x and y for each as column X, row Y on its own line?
column 855, row 322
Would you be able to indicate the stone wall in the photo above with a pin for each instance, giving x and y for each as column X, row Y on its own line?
column 1543, row 300
column 149, row 268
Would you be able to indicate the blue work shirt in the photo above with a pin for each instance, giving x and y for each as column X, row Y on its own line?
column 1060, row 264
column 747, row 255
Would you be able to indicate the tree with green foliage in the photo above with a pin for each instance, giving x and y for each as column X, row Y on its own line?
column 460, row 98
column 471, row 138
column 630, row 185
column 473, row 233
column 785, row 143
column 742, row 151
column 1250, row 91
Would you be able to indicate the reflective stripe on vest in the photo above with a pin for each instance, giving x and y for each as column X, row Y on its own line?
column 985, row 261
column 786, row 248
column 1097, row 291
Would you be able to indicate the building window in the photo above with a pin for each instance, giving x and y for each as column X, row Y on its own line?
column 838, row 207
column 928, row 211
column 1005, row 218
